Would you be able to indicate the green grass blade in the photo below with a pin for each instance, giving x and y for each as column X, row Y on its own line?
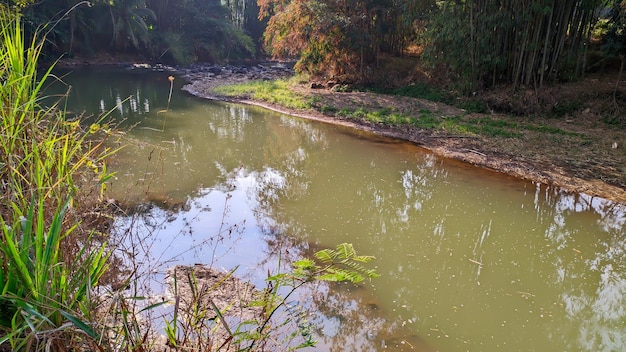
column 81, row 325
column 16, row 262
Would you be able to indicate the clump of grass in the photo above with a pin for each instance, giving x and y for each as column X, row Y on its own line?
column 472, row 106
column 274, row 91
column 46, row 270
column 46, row 302
column 328, row 110
column 613, row 120
column 344, row 112
column 314, row 100
column 41, row 151
column 424, row 91
column 493, row 127
column 552, row 130
column 565, row 108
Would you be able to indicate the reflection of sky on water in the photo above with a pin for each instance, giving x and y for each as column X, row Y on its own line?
column 230, row 225
column 219, row 227
column 596, row 299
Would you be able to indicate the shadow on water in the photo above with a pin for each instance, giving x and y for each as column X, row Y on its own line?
column 470, row 259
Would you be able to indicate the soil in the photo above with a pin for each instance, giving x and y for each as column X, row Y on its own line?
column 571, row 136
column 191, row 287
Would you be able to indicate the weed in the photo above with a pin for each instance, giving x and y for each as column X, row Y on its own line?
column 565, row 108
column 614, row 120
column 250, row 320
column 495, row 131
column 360, row 113
column 424, row 91
column 384, row 111
column 426, row 120
column 314, row 100
column 336, row 265
column 475, row 106
column 399, row 119
column 379, row 116
column 344, row 112
column 551, row 130
column 43, row 288
column 328, row 110
column 275, row 91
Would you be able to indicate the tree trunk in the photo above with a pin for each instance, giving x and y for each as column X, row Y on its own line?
column 545, row 48
column 619, row 78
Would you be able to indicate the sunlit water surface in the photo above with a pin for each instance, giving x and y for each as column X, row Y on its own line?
column 471, row 260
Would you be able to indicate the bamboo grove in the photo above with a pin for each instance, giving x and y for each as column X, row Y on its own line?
column 519, row 42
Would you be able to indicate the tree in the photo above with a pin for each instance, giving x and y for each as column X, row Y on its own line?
column 128, row 23
column 339, row 38
column 614, row 41
column 191, row 30
column 519, row 42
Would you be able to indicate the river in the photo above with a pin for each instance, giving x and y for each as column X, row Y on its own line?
column 470, row 260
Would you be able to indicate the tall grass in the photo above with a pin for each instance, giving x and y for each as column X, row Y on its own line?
column 40, row 151
column 45, row 300
column 47, row 269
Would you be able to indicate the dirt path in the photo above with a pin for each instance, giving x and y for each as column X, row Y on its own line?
column 578, row 152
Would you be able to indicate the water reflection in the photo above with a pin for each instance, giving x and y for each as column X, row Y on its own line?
column 591, row 275
column 471, row 260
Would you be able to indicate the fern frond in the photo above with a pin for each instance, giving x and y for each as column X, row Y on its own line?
column 346, row 250
column 326, row 256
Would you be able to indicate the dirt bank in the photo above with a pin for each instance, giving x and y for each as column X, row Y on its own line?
column 578, row 152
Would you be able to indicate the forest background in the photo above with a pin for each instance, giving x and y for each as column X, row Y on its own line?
column 473, row 45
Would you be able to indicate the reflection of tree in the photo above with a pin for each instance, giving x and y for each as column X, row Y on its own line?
column 593, row 277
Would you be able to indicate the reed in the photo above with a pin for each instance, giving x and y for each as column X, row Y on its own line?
column 40, row 151
column 45, row 302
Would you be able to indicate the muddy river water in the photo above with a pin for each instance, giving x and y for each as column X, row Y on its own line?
column 470, row 260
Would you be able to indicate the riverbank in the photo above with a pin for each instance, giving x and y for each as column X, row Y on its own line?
column 574, row 144
column 578, row 151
